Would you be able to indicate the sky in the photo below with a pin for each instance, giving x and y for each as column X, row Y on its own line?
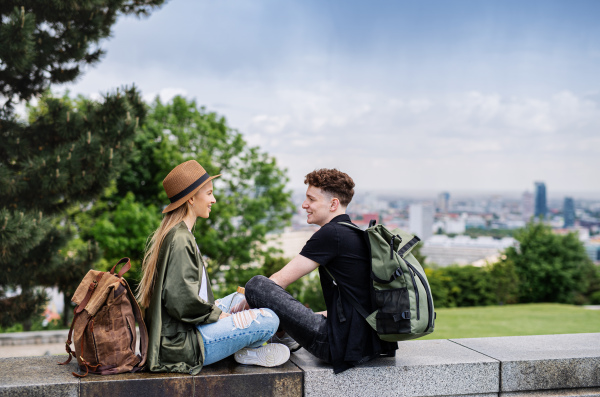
column 450, row 95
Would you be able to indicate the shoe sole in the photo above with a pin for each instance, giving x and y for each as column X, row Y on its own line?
column 271, row 355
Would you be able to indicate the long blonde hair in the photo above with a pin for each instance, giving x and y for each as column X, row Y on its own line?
column 149, row 270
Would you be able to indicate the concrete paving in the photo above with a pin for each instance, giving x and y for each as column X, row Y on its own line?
column 420, row 368
column 543, row 362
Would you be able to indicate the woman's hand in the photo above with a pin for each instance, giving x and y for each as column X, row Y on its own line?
column 241, row 306
column 323, row 313
column 224, row 315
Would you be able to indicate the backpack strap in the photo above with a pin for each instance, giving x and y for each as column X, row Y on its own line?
column 408, row 246
column 137, row 313
column 124, row 269
column 143, row 330
column 91, row 290
column 359, row 308
column 352, row 225
column 398, row 272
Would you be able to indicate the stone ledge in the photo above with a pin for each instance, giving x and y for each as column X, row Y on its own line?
column 41, row 376
column 420, row 368
column 522, row 366
column 542, row 362
column 33, row 338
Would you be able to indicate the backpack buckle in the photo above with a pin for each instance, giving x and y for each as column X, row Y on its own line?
column 404, row 315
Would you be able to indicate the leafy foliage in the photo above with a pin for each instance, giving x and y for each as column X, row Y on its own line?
column 45, row 44
column 544, row 268
column 251, row 195
column 65, row 154
column 550, row 267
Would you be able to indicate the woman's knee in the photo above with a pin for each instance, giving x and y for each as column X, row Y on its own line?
column 256, row 318
column 269, row 319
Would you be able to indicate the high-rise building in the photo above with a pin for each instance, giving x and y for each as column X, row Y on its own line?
column 569, row 212
column 443, row 202
column 527, row 206
column 541, row 203
column 421, row 220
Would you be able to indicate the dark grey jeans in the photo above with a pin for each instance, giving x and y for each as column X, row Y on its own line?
column 301, row 323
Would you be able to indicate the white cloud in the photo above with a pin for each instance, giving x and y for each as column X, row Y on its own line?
column 465, row 140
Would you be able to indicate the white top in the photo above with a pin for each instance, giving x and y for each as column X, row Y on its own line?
column 204, row 283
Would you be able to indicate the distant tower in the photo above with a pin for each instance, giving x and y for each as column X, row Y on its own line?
column 443, row 202
column 527, row 206
column 541, row 204
column 421, row 220
column 569, row 212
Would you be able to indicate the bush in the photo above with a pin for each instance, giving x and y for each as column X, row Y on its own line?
column 550, row 267
column 595, row 298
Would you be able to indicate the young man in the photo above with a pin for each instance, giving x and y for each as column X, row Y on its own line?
column 340, row 335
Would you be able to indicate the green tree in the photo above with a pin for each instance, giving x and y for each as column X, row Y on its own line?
column 504, row 282
column 66, row 153
column 550, row 267
column 469, row 286
column 251, row 194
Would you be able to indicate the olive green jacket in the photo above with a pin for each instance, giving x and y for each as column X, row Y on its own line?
column 175, row 344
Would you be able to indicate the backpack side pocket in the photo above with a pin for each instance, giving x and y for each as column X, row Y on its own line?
column 393, row 316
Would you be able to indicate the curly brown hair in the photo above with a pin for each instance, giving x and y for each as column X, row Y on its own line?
column 334, row 182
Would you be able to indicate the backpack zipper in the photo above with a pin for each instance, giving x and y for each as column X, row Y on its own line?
column 130, row 335
column 416, row 290
column 94, row 341
column 428, row 293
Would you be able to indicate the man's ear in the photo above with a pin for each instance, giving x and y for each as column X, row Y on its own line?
column 335, row 203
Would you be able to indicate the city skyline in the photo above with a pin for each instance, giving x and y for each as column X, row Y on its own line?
column 488, row 95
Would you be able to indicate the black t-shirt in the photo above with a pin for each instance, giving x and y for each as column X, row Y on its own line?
column 344, row 252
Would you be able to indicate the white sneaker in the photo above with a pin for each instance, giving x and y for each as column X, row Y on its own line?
column 270, row 355
column 285, row 340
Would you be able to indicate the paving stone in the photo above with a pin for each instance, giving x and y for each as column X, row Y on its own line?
column 228, row 378
column 138, row 384
column 420, row 368
column 543, row 362
column 224, row 378
column 37, row 376
column 586, row 392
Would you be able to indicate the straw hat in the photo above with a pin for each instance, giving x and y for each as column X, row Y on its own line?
column 183, row 182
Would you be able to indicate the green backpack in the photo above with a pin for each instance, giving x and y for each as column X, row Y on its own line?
column 401, row 293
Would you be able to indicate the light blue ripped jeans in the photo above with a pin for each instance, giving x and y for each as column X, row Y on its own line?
column 248, row 328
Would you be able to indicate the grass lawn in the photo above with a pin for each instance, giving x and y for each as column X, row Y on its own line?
column 510, row 320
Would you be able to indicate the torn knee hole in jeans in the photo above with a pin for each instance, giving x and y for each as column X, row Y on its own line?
column 245, row 318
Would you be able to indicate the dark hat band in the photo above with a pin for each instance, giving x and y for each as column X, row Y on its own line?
column 190, row 188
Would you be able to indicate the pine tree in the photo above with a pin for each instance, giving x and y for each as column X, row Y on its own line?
column 68, row 151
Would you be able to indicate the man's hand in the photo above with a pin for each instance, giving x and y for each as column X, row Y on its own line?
column 323, row 313
column 298, row 267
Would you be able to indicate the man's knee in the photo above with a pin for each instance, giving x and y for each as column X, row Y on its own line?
column 255, row 286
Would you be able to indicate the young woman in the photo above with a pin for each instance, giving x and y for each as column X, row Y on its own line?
column 187, row 328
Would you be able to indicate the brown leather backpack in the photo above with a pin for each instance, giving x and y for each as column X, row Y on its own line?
column 103, row 326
